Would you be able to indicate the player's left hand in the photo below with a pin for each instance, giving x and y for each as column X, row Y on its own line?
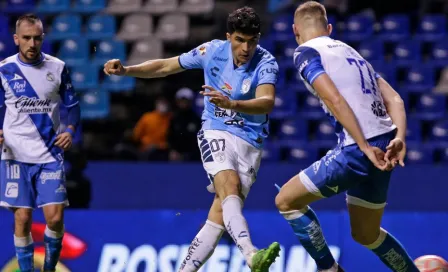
column 376, row 156
column 217, row 98
column 396, row 152
column 64, row 140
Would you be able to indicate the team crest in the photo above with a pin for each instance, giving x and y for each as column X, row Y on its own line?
column 202, row 50
column 246, row 85
column 50, row 76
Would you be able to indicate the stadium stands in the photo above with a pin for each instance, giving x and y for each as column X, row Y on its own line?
column 409, row 51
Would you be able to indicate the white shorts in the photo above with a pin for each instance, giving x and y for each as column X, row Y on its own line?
column 221, row 150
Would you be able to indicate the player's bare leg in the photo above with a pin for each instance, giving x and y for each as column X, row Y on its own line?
column 292, row 202
column 54, row 233
column 366, row 229
column 22, row 238
column 204, row 244
column 228, row 187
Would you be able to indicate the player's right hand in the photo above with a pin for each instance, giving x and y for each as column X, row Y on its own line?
column 376, row 156
column 396, row 152
column 114, row 67
column 1, row 136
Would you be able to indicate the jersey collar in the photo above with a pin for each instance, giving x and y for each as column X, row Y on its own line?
column 37, row 62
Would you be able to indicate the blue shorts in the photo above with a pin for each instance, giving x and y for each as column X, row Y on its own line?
column 29, row 185
column 348, row 169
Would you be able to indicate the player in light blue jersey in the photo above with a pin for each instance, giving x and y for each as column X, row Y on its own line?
column 370, row 120
column 33, row 86
column 240, row 79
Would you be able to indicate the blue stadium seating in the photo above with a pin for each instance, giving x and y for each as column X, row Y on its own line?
column 430, row 106
column 439, row 53
column 418, row 154
column 84, row 77
column 372, row 50
column 325, row 131
column 395, row 27
column 271, row 152
column 198, row 104
column 19, row 6
column 94, row 104
column 311, row 108
column 74, row 51
column 388, row 71
column 303, row 154
column 65, row 26
column 358, row 28
column 53, row 6
column 419, row 78
column 407, row 53
column 432, row 27
column 285, row 105
column 293, row 130
column 414, row 131
column 118, row 83
column 4, row 27
column 47, row 47
column 7, row 47
column 281, row 27
column 439, row 131
column 109, row 49
column 444, row 155
column 101, row 27
column 89, row 6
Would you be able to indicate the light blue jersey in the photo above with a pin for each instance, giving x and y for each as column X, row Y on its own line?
column 237, row 83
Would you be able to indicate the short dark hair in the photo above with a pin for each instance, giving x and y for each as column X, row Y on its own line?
column 29, row 17
column 244, row 20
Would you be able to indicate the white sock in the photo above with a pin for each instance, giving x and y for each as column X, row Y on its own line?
column 202, row 247
column 23, row 241
column 53, row 234
column 236, row 226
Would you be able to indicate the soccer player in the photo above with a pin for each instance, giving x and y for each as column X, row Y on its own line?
column 240, row 79
column 369, row 119
column 32, row 87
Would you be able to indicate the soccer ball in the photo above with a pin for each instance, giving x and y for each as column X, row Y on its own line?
column 431, row 263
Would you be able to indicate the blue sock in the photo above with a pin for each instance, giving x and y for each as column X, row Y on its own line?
column 392, row 253
column 53, row 247
column 25, row 253
column 307, row 228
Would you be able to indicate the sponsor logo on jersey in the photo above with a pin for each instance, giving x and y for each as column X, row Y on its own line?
column 33, row 105
column 19, row 87
column 226, row 87
column 202, row 50
column 44, row 176
column 220, row 59
column 16, row 77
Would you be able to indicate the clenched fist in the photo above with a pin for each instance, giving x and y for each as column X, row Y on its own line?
column 114, row 67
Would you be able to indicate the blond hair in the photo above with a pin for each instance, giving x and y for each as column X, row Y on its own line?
column 311, row 12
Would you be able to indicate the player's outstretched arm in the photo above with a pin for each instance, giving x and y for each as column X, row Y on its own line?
column 148, row 69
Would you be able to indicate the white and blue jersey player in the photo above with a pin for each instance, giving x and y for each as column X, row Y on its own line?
column 370, row 121
column 33, row 86
column 240, row 79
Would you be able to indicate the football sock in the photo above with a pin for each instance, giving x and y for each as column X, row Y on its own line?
column 202, row 247
column 307, row 228
column 25, row 252
column 53, row 247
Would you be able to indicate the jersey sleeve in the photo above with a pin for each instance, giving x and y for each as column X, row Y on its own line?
column 268, row 73
column 309, row 63
column 66, row 90
column 196, row 58
column 2, row 105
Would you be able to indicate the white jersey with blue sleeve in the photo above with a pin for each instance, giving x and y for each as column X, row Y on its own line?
column 237, row 83
column 32, row 94
column 355, row 79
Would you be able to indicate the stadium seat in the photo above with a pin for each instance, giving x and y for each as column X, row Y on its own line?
column 94, row 104
column 444, row 155
column 197, row 7
column 271, row 152
column 430, row 106
column 432, row 27
column 123, row 6
column 89, row 6
column 325, row 131
column 439, row 131
column 358, row 28
column 419, row 78
column 109, row 49
column 372, row 50
column 285, row 105
column 439, row 53
column 159, row 7
column 288, row 50
column 65, row 26
column 115, row 83
column 303, row 154
column 388, row 71
column 74, row 51
column 7, row 47
column 311, row 107
column 418, row 154
column 281, row 27
column 293, row 130
column 53, row 6
column 4, row 26
column 19, row 6
column 407, row 53
column 267, row 43
column 100, row 27
column 413, row 131
column 173, row 27
column 144, row 50
column 84, row 77
column 394, row 27
column 333, row 21
column 136, row 26
column 47, row 47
